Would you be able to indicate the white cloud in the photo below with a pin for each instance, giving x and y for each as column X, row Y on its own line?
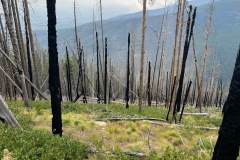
column 64, row 10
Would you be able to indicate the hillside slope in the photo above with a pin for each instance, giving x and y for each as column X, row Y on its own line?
column 224, row 39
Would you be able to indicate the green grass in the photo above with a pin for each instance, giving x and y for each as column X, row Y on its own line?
column 113, row 138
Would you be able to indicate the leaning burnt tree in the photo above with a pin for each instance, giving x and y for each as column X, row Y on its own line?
column 54, row 81
column 227, row 146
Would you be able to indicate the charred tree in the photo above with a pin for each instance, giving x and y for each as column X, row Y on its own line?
column 227, row 146
column 169, row 107
column 54, row 81
column 105, row 74
column 128, row 73
column 98, row 74
column 185, row 100
column 69, row 82
column 189, row 32
column 148, row 84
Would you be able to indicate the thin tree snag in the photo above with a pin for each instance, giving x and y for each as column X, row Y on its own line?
column 33, row 53
column 98, row 74
column 140, row 89
column 189, row 32
column 10, row 79
column 132, row 72
column 185, row 99
column 15, row 66
column 172, row 71
column 105, row 74
column 69, row 82
column 158, row 48
column 169, row 107
column 128, row 73
column 205, row 55
column 148, row 84
column 7, row 116
column 29, row 57
column 110, row 83
column 166, row 94
column 227, row 145
column 16, row 51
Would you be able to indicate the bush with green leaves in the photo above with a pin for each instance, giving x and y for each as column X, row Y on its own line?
column 35, row 144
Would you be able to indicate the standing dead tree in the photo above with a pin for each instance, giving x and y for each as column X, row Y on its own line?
column 13, row 38
column 54, row 81
column 127, row 73
column 105, row 74
column 148, row 84
column 189, row 32
column 140, row 89
column 227, row 145
column 132, row 72
column 98, row 74
column 185, row 100
column 69, row 82
column 209, row 23
column 31, row 40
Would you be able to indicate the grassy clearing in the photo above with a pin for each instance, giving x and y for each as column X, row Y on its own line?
column 158, row 142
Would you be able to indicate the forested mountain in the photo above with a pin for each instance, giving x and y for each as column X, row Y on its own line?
column 224, row 38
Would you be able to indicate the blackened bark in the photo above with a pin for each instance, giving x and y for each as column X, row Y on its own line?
column 98, row 74
column 69, row 82
column 169, row 107
column 110, row 91
column 84, row 83
column 105, row 74
column 189, row 33
column 54, row 81
column 80, row 73
column 128, row 73
column 166, row 94
column 221, row 93
column 227, row 146
column 148, row 85
column 185, row 99
column 29, row 59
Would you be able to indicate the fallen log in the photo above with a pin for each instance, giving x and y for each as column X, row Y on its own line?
column 133, row 154
column 196, row 114
column 131, row 119
column 6, row 115
column 181, row 125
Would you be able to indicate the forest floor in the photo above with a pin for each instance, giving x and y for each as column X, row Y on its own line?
column 112, row 131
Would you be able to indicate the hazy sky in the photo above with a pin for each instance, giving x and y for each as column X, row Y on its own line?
column 64, row 9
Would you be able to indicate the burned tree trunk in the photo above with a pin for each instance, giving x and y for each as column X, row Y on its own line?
column 29, row 57
column 16, row 50
column 227, row 146
column 105, row 74
column 185, row 100
column 69, row 82
column 128, row 73
column 148, row 85
column 189, row 33
column 169, row 107
column 54, row 81
column 98, row 74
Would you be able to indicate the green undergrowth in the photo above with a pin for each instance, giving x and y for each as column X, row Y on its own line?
column 36, row 144
column 111, row 139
